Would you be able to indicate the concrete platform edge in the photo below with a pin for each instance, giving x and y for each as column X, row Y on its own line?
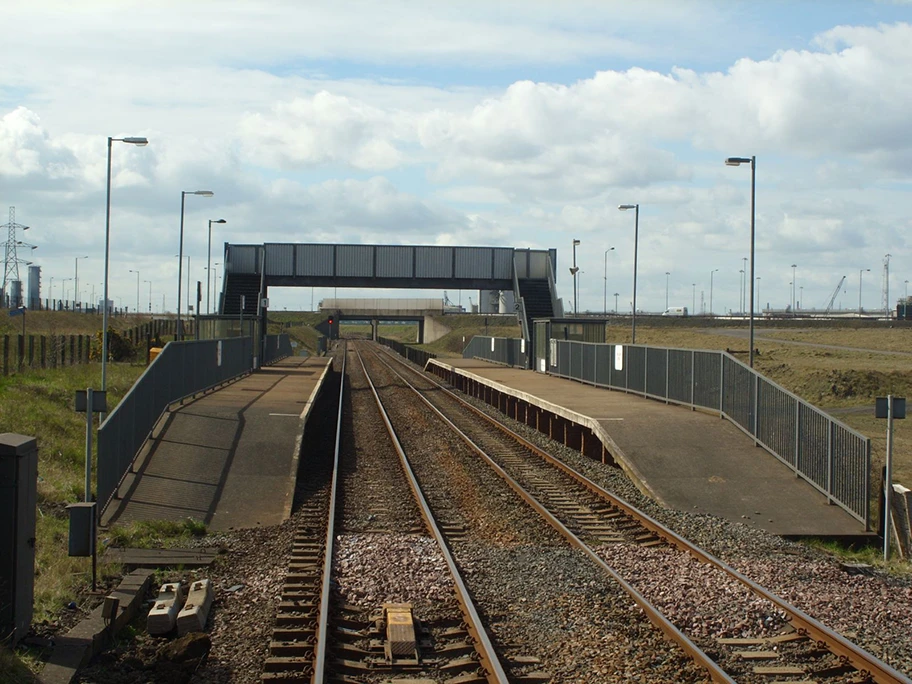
column 299, row 441
column 632, row 471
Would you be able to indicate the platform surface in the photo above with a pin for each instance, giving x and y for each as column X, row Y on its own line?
column 228, row 458
column 688, row 460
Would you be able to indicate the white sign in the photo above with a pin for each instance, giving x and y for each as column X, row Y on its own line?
column 218, row 354
column 619, row 357
column 553, row 352
column 522, row 346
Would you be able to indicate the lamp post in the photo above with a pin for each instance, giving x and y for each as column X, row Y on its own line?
column 616, row 301
column 76, row 275
column 573, row 272
column 605, row 297
column 667, row 273
column 636, row 234
column 180, row 255
column 794, row 285
column 208, row 260
column 758, row 295
column 711, row 290
column 737, row 161
column 860, row 272
column 800, row 298
column 693, row 300
column 141, row 142
column 51, row 292
column 150, row 294
column 137, row 288
column 743, row 284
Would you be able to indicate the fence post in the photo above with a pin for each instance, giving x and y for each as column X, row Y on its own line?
column 830, row 427
column 20, row 351
column 667, row 371
column 721, row 384
column 693, row 379
column 797, row 435
column 42, row 349
column 31, row 350
column 72, row 350
column 6, row 354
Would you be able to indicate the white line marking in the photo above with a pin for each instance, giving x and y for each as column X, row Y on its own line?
column 291, row 415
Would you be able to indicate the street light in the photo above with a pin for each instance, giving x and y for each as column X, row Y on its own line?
column 208, row 259
column 794, row 285
column 636, row 233
column 860, row 272
column 150, row 295
column 180, row 255
column 616, row 302
column 711, row 291
column 187, row 257
column 667, row 273
column 605, row 298
column 693, row 301
column 137, row 289
column 737, row 161
column 76, row 260
column 140, row 142
column 743, row 284
column 573, row 272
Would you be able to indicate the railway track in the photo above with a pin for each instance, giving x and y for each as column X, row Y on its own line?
column 320, row 637
column 794, row 647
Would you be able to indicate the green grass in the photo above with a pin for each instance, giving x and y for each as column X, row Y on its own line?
column 40, row 403
column 868, row 555
column 151, row 534
column 13, row 670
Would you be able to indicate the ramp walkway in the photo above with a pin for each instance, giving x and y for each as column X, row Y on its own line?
column 228, row 458
column 687, row 460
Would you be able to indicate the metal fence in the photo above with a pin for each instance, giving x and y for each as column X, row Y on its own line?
column 831, row 456
column 508, row 351
column 276, row 347
column 180, row 370
column 416, row 356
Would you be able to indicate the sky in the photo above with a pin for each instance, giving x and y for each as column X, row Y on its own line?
column 518, row 124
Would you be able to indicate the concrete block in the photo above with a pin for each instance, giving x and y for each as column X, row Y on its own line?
column 163, row 615
column 193, row 616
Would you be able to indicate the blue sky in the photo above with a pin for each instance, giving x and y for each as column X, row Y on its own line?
column 505, row 124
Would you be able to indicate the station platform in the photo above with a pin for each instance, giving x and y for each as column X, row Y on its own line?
column 688, row 460
column 230, row 457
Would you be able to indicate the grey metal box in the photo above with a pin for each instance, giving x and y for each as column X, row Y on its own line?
column 18, row 497
column 82, row 528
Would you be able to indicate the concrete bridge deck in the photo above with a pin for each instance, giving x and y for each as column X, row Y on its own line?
column 687, row 460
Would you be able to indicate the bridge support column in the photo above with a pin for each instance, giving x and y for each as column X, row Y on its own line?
column 375, row 329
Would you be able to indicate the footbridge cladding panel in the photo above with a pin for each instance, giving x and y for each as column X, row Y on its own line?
column 389, row 265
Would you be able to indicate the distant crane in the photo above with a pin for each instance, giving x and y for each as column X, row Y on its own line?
column 833, row 298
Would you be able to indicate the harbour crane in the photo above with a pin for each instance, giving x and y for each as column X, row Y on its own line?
column 833, row 298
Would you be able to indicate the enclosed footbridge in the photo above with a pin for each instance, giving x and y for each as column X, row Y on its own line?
column 250, row 270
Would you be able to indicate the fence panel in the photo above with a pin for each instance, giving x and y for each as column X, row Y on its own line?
column 777, row 421
column 636, row 369
column 680, row 375
column 180, row 370
column 656, row 372
column 276, row 347
column 737, row 393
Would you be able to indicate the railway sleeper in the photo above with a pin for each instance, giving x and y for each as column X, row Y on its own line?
column 289, row 664
column 299, row 649
column 302, row 635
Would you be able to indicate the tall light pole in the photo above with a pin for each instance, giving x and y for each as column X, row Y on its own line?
column 711, row 291
column 737, row 161
column 741, row 292
column 667, row 273
column 180, row 255
column 758, row 295
column 636, row 235
column 137, row 288
column 573, row 272
column 743, row 284
column 605, row 298
column 860, row 272
column 616, row 294
column 150, row 294
column 208, row 260
column 104, row 317
column 76, row 275
column 794, row 285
